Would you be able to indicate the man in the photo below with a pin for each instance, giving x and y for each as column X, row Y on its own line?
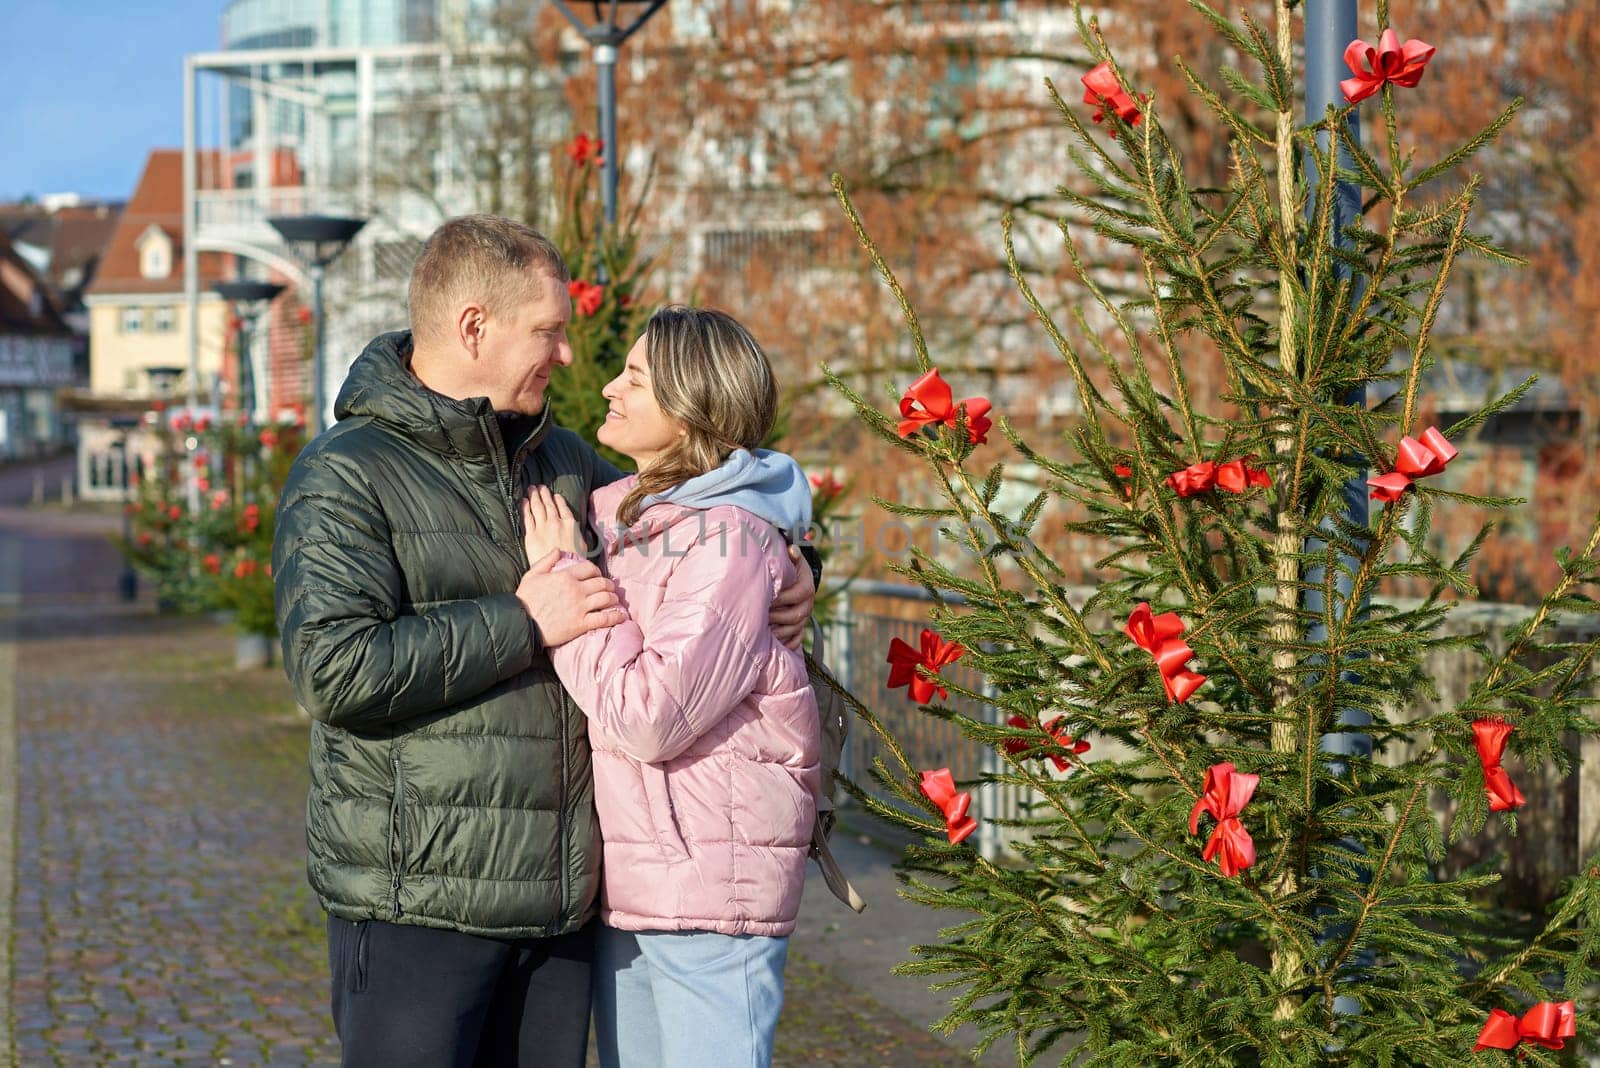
column 450, row 823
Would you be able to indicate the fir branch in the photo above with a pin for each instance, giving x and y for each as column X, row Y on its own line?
column 1471, row 147
column 1329, row 973
column 1580, row 900
column 1521, row 636
column 1246, row 132
column 1174, row 365
column 919, row 344
column 1419, row 355
column 1087, row 394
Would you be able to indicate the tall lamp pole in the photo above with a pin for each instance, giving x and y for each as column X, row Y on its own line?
column 1330, row 26
column 128, row 579
column 606, row 35
column 319, row 240
column 250, row 298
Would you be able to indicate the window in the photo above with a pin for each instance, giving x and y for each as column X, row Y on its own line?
column 155, row 261
column 155, row 252
column 164, row 320
column 132, row 320
column 732, row 251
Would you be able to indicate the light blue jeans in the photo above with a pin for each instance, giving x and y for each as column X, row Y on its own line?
column 686, row 999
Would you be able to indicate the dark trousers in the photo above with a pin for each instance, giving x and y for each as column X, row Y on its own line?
column 420, row 997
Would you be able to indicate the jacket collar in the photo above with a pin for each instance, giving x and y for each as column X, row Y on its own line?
column 381, row 386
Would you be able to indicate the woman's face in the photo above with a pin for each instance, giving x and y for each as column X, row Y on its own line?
column 635, row 425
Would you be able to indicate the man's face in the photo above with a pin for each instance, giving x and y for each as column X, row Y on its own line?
column 522, row 344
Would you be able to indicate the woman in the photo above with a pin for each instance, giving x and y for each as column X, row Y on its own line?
column 703, row 726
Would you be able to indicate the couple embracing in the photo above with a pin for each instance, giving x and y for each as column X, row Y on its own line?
column 510, row 678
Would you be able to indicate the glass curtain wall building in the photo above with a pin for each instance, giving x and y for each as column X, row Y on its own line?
column 340, row 107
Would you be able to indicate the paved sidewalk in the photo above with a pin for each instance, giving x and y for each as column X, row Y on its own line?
column 160, row 913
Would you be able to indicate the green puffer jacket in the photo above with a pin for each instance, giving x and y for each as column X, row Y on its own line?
column 450, row 780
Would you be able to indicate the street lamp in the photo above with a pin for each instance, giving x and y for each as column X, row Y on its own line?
column 128, row 580
column 250, row 298
column 606, row 35
column 319, row 239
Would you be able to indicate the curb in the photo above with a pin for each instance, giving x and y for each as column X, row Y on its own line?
column 10, row 599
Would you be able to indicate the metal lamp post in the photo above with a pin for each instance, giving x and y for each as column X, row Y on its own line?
column 1330, row 26
column 128, row 579
column 606, row 35
column 250, row 298
column 319, row 240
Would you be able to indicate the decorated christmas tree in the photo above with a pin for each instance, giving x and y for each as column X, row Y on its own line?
column 1234, row 849
column 609, row 274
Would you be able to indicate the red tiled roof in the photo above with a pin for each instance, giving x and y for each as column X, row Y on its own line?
column 157, row 200
column 82, row 236
column 18, row 284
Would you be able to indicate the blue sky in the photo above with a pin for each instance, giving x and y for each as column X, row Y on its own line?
column 90, row 86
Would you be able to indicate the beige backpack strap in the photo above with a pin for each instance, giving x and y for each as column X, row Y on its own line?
column 832, row 874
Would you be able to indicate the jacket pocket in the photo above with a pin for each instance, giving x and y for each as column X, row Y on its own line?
column 347, row 955
column 397, row 835
column 663, row 817
column 359, row 972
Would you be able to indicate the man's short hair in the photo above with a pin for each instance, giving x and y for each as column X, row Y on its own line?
column 482, row 258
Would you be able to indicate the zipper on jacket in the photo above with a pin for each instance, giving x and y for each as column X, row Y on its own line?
column 508, row 487
column 504, row 467
column 396, row 833
column 564, row 818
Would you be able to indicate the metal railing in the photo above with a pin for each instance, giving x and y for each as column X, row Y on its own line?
column 247, row 210
column 858, row 644
column 1555, row 835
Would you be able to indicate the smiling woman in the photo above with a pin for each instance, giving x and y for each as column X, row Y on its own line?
column 695, row 389
column 635, row 424
column 693, row 697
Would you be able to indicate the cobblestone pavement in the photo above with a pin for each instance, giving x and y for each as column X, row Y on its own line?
column 161, row 914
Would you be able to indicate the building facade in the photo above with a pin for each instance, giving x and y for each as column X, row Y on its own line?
column 36, row 361
column 139, row 323
column 355, row 94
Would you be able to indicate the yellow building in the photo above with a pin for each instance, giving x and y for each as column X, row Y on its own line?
column 138, row 327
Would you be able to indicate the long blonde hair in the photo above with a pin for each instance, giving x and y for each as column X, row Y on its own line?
column 708, row 373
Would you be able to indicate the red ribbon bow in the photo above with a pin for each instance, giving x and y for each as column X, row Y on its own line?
column 1413, row 460
column 933, row 394
column 1235, row 476
column 1548, row 1024
column 586, row 295
column 1100, row 88
column 583, row 148
column 1123, row 471
column 940, row 788
column 1160, row 637
column 1059, row 735
column 1389, row 62
column 1225, row 794
column 1490, row 735
column 826, row 485
column 935, row 654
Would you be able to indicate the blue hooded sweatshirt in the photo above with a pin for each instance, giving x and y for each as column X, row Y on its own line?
column 765, row 483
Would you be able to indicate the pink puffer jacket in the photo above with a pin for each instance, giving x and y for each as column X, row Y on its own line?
column 704, row 727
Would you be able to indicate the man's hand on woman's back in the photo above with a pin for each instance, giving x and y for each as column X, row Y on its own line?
column 791, row 608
